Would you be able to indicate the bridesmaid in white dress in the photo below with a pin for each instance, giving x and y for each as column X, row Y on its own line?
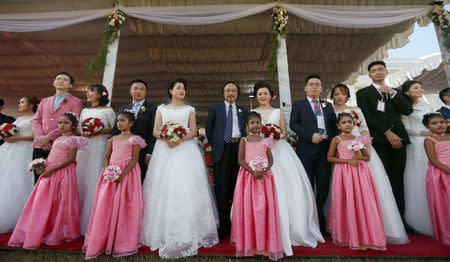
column 16, row 153
column 90, row 161
column 417, row 213
column 180, row 215
column 393, row 224
column 297, row 207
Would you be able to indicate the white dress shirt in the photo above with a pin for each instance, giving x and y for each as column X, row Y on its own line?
column 58, row 100
column 236, row 133
column 137, row 106
column 320, row 119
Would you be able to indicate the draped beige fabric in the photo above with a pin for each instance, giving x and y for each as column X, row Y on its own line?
column 206, row 55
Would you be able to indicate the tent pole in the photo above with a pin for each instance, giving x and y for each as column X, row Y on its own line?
column 283, row 79
column 110, row 66
column 444, row 53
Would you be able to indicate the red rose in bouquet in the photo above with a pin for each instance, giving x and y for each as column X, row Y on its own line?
column 271, row 130
column 356, row 119
column 447, row 121
column 92, row 125
column 7, row 130
column 172, row 131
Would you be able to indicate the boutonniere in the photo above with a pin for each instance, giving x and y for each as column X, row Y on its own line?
column 239, row 112
column 324, row 104
column 64, row 101
column 143, row 109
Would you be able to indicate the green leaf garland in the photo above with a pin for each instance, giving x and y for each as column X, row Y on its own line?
column 280, row 28
column 441, row 18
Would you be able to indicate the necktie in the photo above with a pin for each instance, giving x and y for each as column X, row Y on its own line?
column 316, row 108
column 229, row 124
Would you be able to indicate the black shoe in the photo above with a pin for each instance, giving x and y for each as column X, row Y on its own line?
column 410, row 230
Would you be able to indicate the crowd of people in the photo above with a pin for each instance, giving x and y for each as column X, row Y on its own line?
column 364, row 176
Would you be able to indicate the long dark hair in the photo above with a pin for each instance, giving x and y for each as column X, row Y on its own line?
column 103, row 92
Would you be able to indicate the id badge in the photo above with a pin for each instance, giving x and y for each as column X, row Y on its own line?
column 321, row 122
column 381, row 106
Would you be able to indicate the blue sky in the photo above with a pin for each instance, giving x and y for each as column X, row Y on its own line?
column 422, row 42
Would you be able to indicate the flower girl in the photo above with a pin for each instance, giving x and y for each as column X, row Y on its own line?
column 116, row 216
column 437, row 148
column 255, row 225
column 52, row 213
column 355, row 218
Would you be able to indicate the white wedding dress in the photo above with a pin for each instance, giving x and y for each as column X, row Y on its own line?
column 417, row 213
column 16, row 183
column 296, row 203
column 90, row 162
column 180, row 215
column 393, row 224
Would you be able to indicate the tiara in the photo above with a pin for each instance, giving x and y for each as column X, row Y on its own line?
column 131, row 111
column 72, row 113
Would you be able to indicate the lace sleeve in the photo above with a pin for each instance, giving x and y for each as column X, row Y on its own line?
column 110, row 117
column 137, row 140
column 363, row 127
column 76, row 142
column 409, row 130
column 81, row 118
column 191, row 109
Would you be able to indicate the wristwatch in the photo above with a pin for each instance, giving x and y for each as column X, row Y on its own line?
column 393, row 93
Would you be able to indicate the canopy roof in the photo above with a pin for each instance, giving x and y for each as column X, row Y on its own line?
column 206, row 55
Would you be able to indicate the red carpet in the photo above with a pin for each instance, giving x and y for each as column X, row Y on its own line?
column 419, row 246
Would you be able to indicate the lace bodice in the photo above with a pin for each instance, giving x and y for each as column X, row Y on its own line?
column 106, row 115
column 179, row 115
column 442, row 150
column 122, row 150
column 269, row 116
column 255, row 149
column 413, row 122
column 23, row 124
column 343, row 152
column 61, row 146
column 356, row 130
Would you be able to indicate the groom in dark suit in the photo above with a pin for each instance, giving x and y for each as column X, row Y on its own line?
column 444, row 95
column 224, row 127
column 314, row 122
column 144, row 122
column 382, row 107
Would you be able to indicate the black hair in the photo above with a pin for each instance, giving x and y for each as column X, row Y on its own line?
column 34, row 101
column 444, row 92
column 129, row 114
column 342, row 115
column 67, row 74
column 261, row 84
column 374, row 63
column 2, row 103
column 341, row 86
column 103, row 100
column 427, row 117
column 173, row 82
column 405, row 88
column 139, row 81
column 311, row 77
column 231, row 82
column 72, row 117
column 252, row 114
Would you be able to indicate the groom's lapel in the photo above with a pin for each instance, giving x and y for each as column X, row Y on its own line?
column 223, row 113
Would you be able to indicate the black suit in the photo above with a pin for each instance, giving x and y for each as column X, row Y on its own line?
column 379, row 123
column 314, row 156
column 143, row 128
column 5, row 119
column 225, row 159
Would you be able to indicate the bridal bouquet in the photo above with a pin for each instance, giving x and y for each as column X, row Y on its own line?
column 37, row 165
column 258, row 164
column 356, row 119
column 356, row 146
column 172, row 131
column 7, row 130
column 111, row 173
column 92, row 125
column 271, row 130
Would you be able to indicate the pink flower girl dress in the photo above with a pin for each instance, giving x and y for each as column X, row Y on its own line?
column 438, row 193
column 116, row 217
column 255, row 225
column 52, row 213
column 355, row 218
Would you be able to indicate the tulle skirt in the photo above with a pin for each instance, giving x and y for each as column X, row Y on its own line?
column 52, row 213
column 417, row 213
column 296, row 202
column 16, row 184
column 116, row 217
column 180, row 214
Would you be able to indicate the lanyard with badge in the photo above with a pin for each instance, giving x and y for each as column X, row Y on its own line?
column 320, row 119
column 381, row 105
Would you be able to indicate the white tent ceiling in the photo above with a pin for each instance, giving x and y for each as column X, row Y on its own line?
column 206, row 55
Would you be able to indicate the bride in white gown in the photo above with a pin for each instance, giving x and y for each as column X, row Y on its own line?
column 393, row 224
column 417, row 213
column 16, row 154
column 297, row 207
column 180, row 215
column 90, row 161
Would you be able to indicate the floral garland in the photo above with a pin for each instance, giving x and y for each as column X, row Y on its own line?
column 441, row 18
column 114, row 22
column 280, row 28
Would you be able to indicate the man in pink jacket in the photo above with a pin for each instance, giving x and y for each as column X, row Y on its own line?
column 45, row 121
